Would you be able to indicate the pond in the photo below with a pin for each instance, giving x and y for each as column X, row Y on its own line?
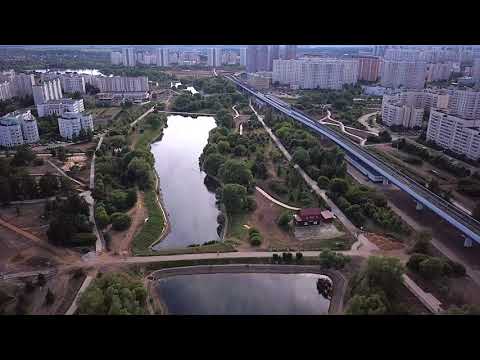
column 243, row 294
column 188, row 194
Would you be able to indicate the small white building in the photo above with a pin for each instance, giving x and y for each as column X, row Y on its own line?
column 71, row 123
column 18, row 128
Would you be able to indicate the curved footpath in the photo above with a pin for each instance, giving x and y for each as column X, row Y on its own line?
column 339, row 281
column 264, row 193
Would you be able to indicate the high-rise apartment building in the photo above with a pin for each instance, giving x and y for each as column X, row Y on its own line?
column 5, row 91
column 402, row 54
column 464, row 103
column 407, row 74
column 22, row 84
column 290, row 52
column 379, row 50
column 368, row 68
column 476, row 70
column 457, row 134
column 214, row 57
column 72, row 83
column 439, row 71
column 116, row 58
column 128, row 57
column 70, row 124
column 243, row 57
column 122, row 84
column 257, row 58
column 18, row 128
column 314, row 73
column 273, row 54
column 163, row 55
column 46, row 91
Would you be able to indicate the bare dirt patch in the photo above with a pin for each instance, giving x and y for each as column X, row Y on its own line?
column 121, row 240
column 384, row 242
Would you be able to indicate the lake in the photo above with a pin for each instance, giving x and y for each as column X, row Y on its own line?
column 189, row 196
column 242, row 294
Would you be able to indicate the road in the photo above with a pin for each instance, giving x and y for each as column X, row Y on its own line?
column 458, row 218
column 92, row 165
column 73, row 308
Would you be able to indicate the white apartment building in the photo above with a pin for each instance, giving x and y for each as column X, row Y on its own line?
column 22, row 84
column 402, row 54
column 407, row 74
column 122, row 84
column 60, row 106
column 214, row 57
column 464, row 103
column 72, row 83
column 314, row 73
column 396, row 112
column 243, row 56
column 439, row 71
column 116, row 58
column 71, row 123
column 407, row 108
column 476, row 70
column 163, row 57
column 48, row 90
column 461, row 136
column 5, row 91
column 128, row 57
column 18, row 128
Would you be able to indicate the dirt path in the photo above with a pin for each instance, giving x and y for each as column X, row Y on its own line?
column 121, row 240
column 269, row 197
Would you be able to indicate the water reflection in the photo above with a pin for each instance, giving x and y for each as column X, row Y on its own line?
column 188, row 194
column 242, row 294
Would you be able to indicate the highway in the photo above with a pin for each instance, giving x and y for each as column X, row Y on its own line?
column 458, row 218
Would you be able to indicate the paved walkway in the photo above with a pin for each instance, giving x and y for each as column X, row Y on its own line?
column 264, row 193
column 427, row 299
column 364, row 121
column 64, row 174
column 132, row 124
column 73, row 308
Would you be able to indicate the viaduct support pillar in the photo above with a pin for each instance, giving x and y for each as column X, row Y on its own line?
column 468, row 243
column 385, row 181
column 419, row 206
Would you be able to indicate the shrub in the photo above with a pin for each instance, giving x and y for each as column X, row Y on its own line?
column 299, row 256
column 83, row 239
column 414, row 262
column 457, row 269
column 38, row 162
column 252, row 231
column 287, row 257
column 49, row 297
column 431, row 268
column 121, row 221
column 275, row 258
column 41, row 280
column 330, row 259
column 284, row 220
column 255, row 241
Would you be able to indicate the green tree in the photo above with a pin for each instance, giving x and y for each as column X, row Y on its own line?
column 234, row 196
column 139, row 171
column 301, row 157
column 48, row 184
column 338, row 186
column 223, row 147
column 323, row 182
column 236, row 172
column 121, row 221
column 101, row 216
column 366, row 305
column 213, row 162
column 23, row 156
column 384, row 273
column 431, row 268
column 284, row 220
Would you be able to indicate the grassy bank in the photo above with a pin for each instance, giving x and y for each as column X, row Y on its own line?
column 153, row 228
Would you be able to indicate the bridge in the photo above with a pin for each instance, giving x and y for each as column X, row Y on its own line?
column 447, row 211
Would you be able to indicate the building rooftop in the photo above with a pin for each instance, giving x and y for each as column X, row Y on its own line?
column 310, row 212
